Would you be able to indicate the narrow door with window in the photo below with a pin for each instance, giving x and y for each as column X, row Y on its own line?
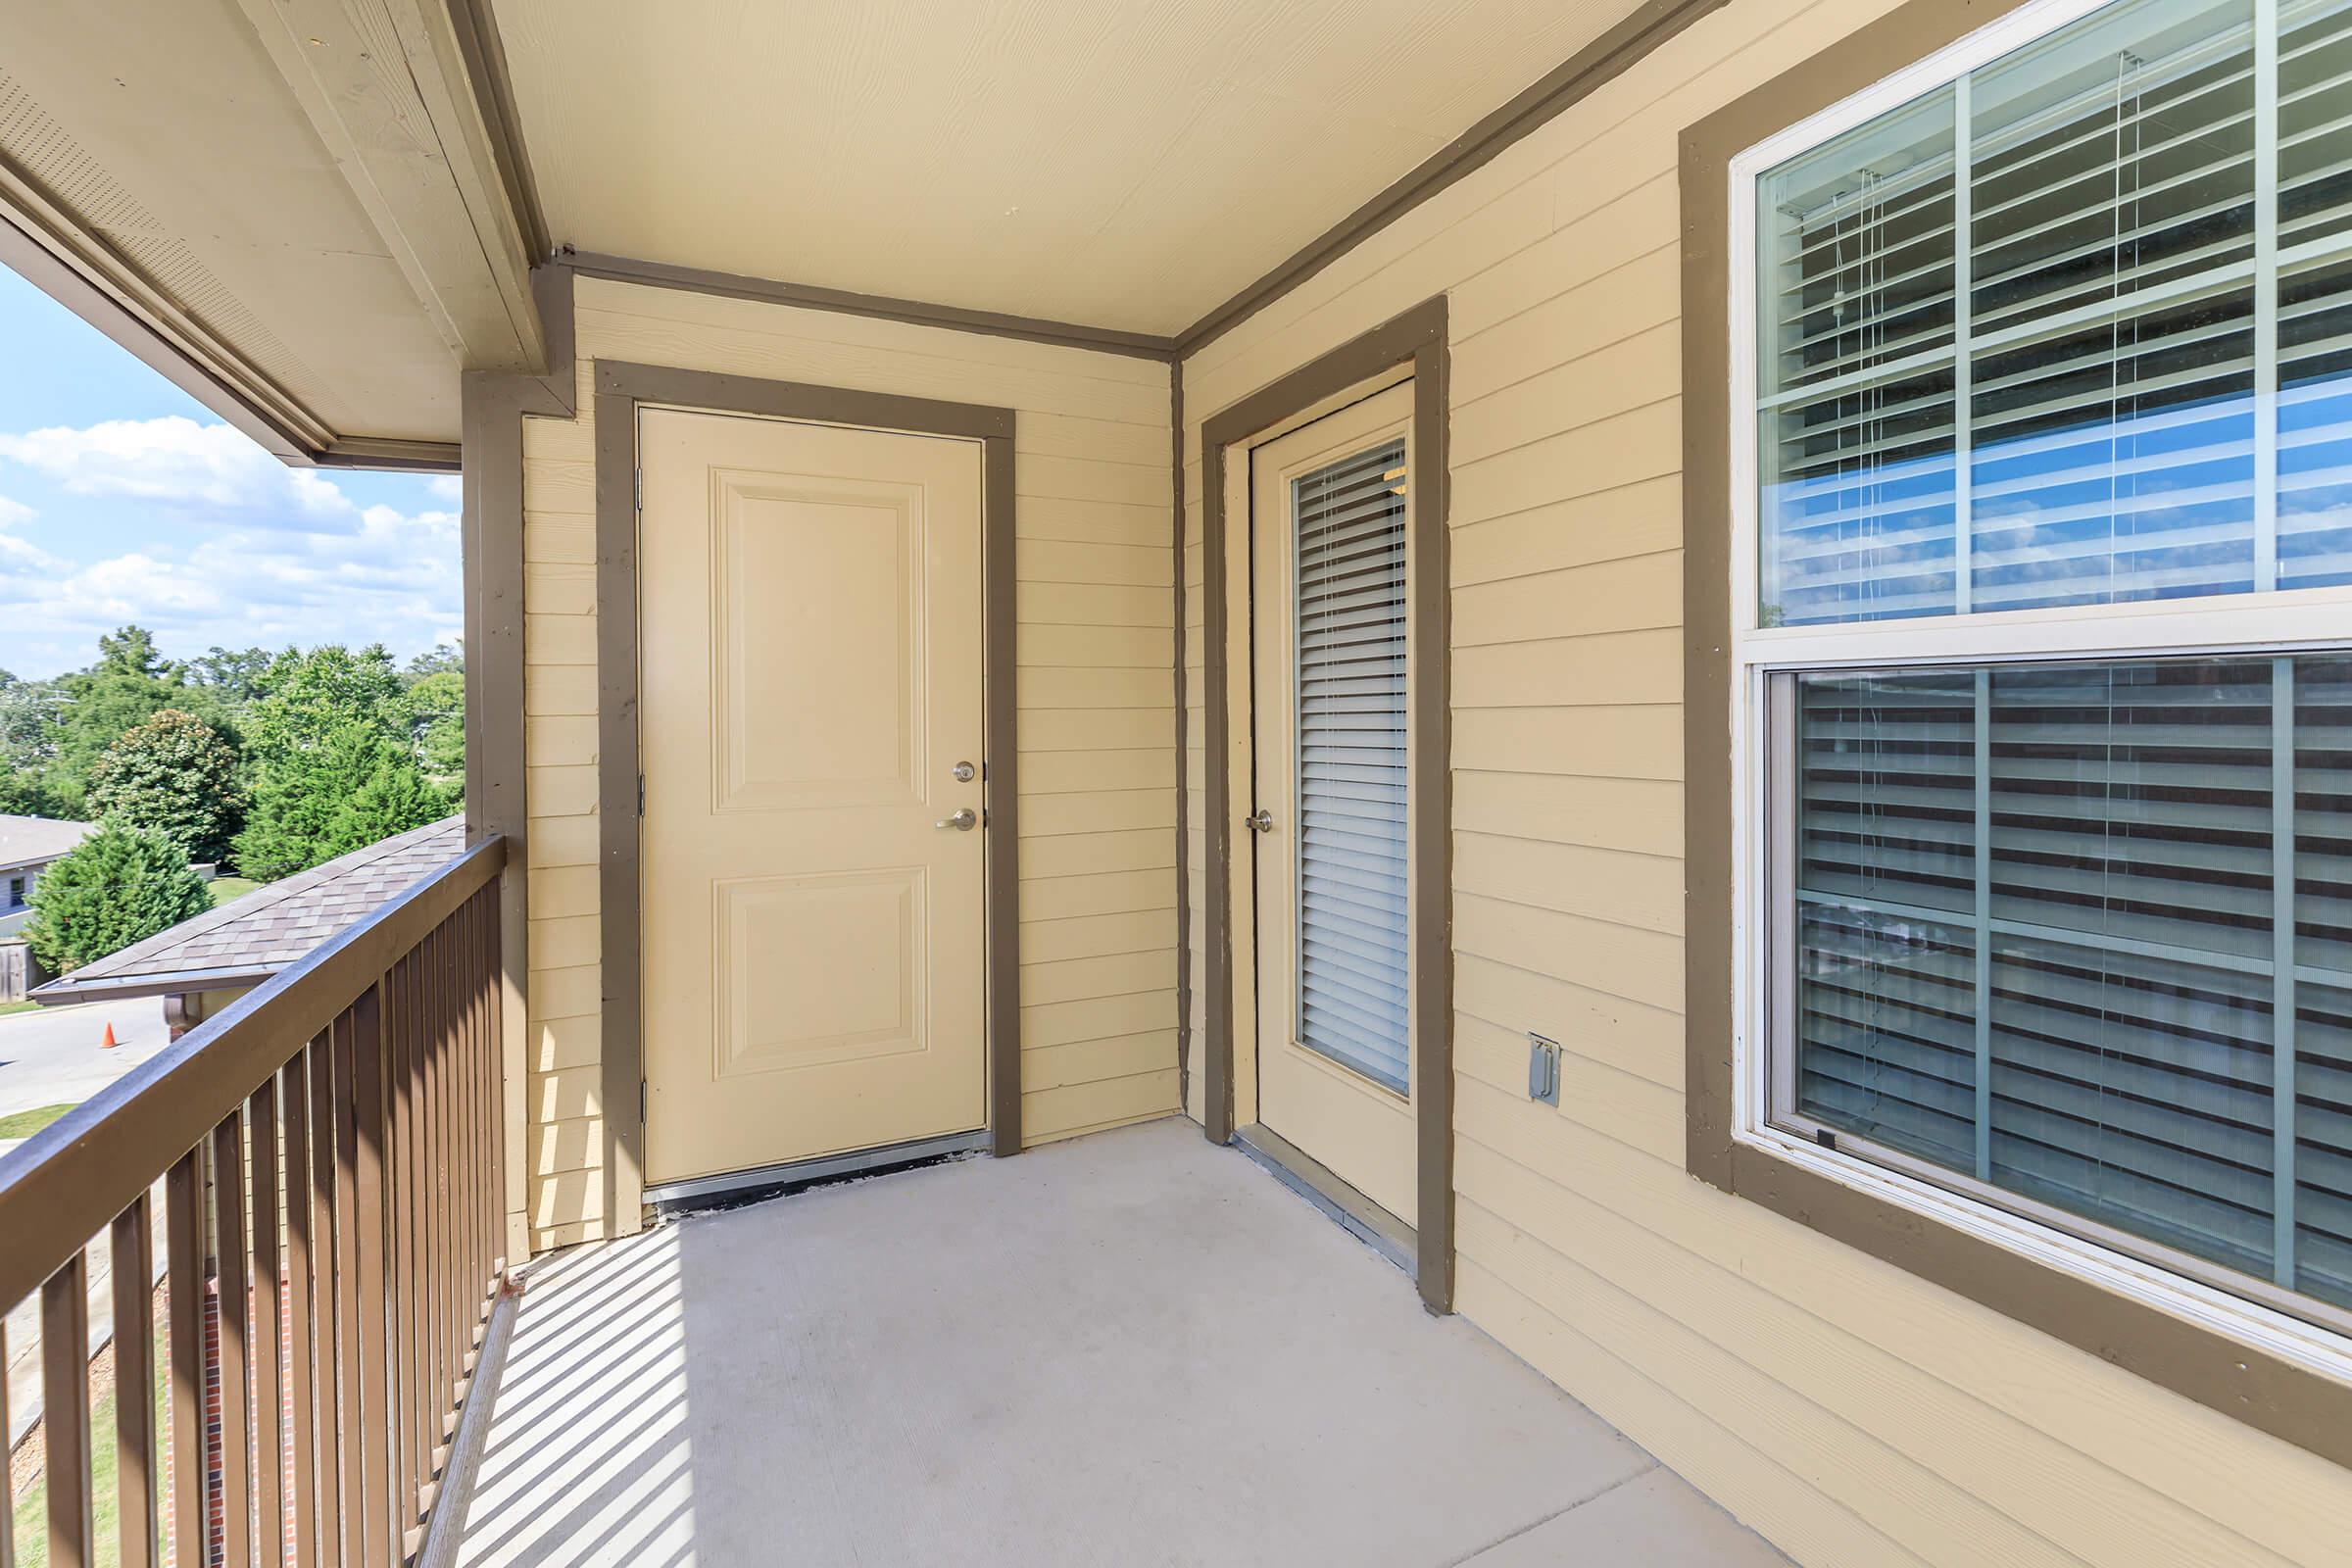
column 1331, row 662
column 814, row 935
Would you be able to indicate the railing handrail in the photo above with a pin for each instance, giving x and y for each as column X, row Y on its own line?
column 70, row 1180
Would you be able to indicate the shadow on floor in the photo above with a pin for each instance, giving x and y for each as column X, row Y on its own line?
column 1132, row 1349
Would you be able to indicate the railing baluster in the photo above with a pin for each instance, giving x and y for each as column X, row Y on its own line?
column 435, row 1016
column 235, row 1306
column 494, row 1068
column 348, row 1305
column 367, row 1085
column 269, row 1331
column 452, row 1186
column 469, row 1202
column 8, row 1497
column 477, row 1099
column 66, row 1412
column 133, row 1244
column 401, row 1219
column 183, row 1247
column 334, row 1227
column 302, row 1435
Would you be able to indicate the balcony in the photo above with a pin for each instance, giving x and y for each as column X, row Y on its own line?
column 326, row 1157
column 1128, row 1348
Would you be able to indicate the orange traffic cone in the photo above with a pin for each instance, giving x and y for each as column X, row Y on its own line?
column 108, row 1043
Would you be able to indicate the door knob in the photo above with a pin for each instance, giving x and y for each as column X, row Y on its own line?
column 963, row 821
column 1260, row 821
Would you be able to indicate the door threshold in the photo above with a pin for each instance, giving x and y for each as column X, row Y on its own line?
column 1315, row 1181
column 729, row 1188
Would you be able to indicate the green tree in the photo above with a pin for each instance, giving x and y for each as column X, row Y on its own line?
column 117, row 886
column 444, row 659
column 25, row 795
column 131, row 683
column 28, row 714
column 176, row 772
column 235, row 675
column 437, row 724
column 312, row 804
column 308, row 697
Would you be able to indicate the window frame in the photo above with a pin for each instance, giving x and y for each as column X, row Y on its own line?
column 2136, row 1303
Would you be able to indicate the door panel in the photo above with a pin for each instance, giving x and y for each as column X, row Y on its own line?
column 1329, row 701
column 811, row 653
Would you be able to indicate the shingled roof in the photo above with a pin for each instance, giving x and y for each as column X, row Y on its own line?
column 247, row 940
column 36, row 840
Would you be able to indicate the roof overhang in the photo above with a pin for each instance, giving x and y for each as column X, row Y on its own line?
column 306, row 213
column 65, row 992
column 317, row 215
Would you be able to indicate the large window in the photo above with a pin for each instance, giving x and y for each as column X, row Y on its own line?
column 2045, row 564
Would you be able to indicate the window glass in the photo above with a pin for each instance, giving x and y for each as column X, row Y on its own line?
column 2042, row 338
column 2083, row 932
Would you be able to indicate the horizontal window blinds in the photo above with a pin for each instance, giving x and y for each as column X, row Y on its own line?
column 2024, row 341
column 1353, row 995
column 2083, row 932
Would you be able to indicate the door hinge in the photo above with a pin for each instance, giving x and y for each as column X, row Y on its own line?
column 641, row 1101
column 640, row 490
column 640, row 795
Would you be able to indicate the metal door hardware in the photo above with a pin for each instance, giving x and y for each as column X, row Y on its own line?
column 1260, row 821
column 963, row 821
column 964, row 772
column 1542, row 1070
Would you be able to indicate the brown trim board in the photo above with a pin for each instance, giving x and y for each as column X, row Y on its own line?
column 2238, row 1379
column 1415, row 338
column 485, row 58
column 1184, row 856
column 808, row 296
column 1577, row 78
column 494, row 404
column 619, row 388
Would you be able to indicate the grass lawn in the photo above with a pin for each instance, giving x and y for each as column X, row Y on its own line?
column 226, row 888
column 32, row 1514
column 7, row 1007
column 24, row 1123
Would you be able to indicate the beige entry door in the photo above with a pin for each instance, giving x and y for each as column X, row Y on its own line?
column 1331, row 806
column 810, row 672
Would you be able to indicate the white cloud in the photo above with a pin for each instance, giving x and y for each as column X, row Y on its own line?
column 13, row 513
column 178, row 462
column 256, row 553
column 447, row 487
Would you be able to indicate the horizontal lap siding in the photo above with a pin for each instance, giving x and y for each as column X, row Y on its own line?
column 1851, row 1412
column 1094, row 601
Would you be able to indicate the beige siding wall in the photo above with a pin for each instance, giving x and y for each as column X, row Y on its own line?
column 1850, row 1412
column 1094, row 651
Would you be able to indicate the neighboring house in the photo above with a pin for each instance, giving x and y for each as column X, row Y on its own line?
column 28, row 847
column 201, row 965
column 1691, row 656
column 28, row 844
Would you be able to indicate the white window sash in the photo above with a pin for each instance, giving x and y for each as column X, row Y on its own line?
column 2265, row 621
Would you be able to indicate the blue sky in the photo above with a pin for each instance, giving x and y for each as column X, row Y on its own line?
column 123, row 499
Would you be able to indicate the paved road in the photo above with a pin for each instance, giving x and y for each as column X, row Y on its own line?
column 52, row 1056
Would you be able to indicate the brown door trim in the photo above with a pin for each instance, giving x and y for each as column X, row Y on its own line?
column 620, row 388
column 1417, row 339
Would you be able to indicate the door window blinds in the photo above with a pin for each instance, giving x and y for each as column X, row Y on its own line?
column 2076, row 329
column 1352, row 986
column 2083, row 932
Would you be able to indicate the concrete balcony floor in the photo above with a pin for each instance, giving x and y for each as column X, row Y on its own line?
column 1130, row 1349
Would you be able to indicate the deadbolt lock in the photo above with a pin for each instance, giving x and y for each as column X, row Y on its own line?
column 964, row 772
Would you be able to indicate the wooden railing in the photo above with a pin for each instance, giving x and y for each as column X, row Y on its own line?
column 330, row 1157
